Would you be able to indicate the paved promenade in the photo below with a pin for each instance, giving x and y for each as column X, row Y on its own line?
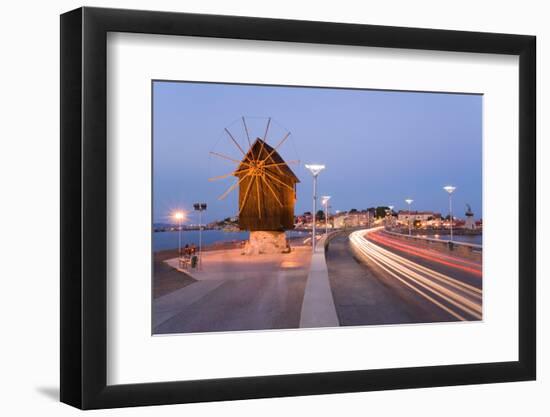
column 236, row 292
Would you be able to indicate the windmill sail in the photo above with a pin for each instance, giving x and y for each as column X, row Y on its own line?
column 266, row 183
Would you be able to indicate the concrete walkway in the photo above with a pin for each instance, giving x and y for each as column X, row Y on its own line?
column 167, row 306
column 236, row 292
column 318, row 309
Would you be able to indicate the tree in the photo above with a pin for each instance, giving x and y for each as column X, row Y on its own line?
column 353, row 210
column 381, row 211
column 320, row 215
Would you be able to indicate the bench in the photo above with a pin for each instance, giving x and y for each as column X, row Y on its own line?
column 184, row 263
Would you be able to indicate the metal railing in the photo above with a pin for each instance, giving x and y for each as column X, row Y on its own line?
column 473, row 246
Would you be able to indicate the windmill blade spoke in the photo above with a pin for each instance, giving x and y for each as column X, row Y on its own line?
column 226, row 193
column 219, row 177
column 246, row 194
column 277, row 147
column 267, row 128
column 247, row 134
column 221, row 197
column 272, row 191
column 263, row 141
column 230, row 159
column 237, row 144
column 258, row 196
column 281, row 163
column 278, row 180
column 234, row 173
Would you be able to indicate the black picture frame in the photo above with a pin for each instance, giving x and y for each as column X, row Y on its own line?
column 84, row 207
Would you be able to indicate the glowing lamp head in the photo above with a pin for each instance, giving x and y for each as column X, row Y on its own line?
column 409, row 201
column 179, row 215
column 324, row 199
column 390, row 207
column 449, row 188
column 315, row 168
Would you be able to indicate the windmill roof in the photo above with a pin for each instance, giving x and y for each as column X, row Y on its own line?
column 262, row 149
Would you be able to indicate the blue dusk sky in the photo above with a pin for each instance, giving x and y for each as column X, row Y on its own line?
column 379, row 147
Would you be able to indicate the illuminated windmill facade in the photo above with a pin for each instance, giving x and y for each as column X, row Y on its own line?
column 267, row 190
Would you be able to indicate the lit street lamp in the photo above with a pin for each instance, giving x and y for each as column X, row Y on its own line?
column 315, row 169
column 450, row 189
column 324, row 202
column 179, row 216
column 200, row 207
column 409, row 202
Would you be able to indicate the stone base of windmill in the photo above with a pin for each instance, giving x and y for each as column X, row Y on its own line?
column 266, row 242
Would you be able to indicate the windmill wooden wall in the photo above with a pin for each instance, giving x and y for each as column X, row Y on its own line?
column 261, row 210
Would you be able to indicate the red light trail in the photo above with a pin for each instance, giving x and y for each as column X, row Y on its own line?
column 430, row 255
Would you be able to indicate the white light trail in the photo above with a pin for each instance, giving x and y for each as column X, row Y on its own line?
column 455, row 297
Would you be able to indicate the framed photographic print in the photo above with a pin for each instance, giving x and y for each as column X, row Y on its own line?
column 257, row 208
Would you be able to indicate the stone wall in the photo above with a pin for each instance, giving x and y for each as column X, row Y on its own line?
column 266, row 242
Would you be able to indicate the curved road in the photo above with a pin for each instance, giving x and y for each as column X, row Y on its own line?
column 387, row 281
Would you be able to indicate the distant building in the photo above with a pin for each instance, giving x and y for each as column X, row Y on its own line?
column 352, row 219
column 426, row 218
column 339, row 221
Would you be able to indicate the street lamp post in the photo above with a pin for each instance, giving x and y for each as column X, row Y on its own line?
column 409, row 202
column 200, row 207
column 450, row 189
column 324, row 201
column 315, row 169
column 179, row 217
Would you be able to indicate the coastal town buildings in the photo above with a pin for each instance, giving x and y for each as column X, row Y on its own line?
column 420, row 218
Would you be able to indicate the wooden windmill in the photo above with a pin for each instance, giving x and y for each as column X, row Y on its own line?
column 267, row 188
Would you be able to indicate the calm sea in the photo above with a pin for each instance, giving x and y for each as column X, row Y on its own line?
column 474, row 239
column 169, row 240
